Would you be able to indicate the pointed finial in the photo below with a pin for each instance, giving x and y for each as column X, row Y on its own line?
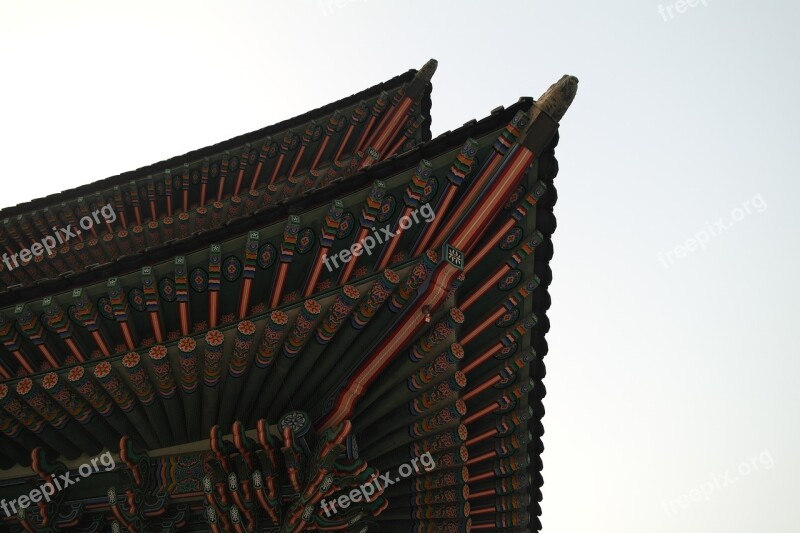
column 427, row 71
column 556, row 100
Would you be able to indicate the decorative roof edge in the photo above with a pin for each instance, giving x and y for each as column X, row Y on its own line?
column 271, row 215
column 208, row 151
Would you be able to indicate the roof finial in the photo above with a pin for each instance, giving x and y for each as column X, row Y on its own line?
column 427, row 71
column 556, row 100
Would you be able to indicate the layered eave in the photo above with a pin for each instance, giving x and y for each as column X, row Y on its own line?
column 434, row 342
column 169, row 201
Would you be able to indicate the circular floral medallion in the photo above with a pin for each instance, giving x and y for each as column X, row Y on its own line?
column 214, row 338
column 129, row 360
column 136, row 299
column 346, row 225
column 198, row 279
column 24, row 386
column 104, row 369
column 512, row 238
column 508, row 318
column 231, row 268
column 297, row 421
column 266, row 255
column 76, row 373
column 387, row 209
column 166, row 288
column 510, row 280
column 514, row 198
column 305, row 241
column 507, row 351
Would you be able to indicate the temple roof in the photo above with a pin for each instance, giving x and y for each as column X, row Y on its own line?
column 158, row 204
column 268, row 345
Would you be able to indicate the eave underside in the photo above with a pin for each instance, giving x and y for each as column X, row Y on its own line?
column 292, row 338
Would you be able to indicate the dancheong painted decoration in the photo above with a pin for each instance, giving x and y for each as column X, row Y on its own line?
column 335, row 323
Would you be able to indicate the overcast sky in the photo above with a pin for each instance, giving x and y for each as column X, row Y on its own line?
column 672, row 397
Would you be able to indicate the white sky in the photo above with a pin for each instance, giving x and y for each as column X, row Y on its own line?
column 661, row 380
